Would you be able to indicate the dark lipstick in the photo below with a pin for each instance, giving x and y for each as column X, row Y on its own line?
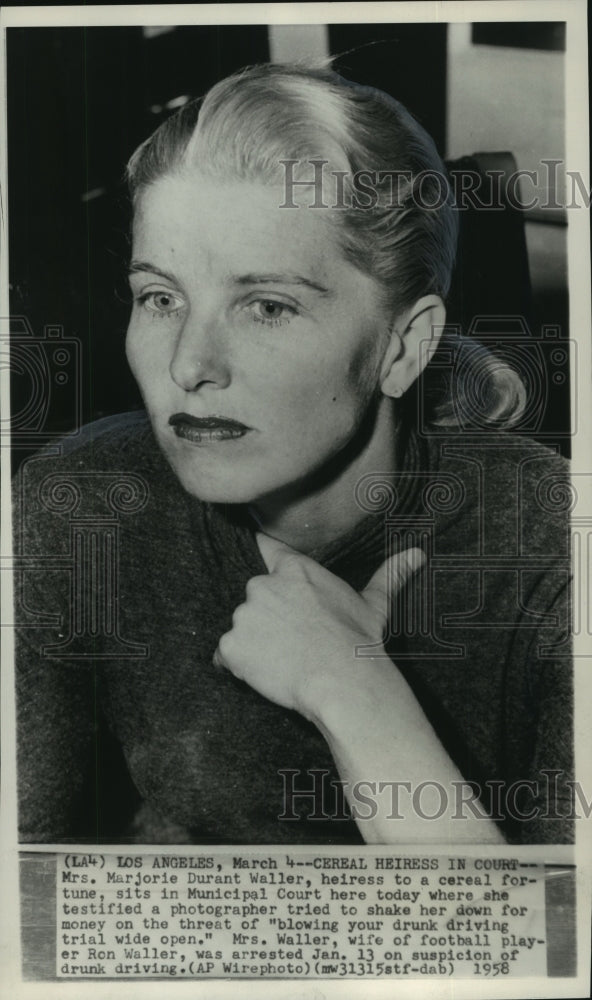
column 200, row 430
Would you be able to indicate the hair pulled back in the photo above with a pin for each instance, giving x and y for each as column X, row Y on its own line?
column 267, row 119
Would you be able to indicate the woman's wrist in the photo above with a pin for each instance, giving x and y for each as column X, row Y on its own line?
column 380, row 737
column 348, row 698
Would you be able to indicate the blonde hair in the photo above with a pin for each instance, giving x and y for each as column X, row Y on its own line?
column 250, row 124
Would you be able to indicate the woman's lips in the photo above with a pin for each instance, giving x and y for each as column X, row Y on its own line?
column 200, row 430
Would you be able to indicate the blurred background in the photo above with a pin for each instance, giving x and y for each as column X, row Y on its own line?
column 81, row 99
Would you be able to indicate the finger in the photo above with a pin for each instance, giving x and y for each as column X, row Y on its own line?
column 391, row 577
column 272, row 550
column 218, row 661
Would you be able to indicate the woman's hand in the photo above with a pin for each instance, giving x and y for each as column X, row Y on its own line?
column 294, row 639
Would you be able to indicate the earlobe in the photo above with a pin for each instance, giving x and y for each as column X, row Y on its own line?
column 415, row 336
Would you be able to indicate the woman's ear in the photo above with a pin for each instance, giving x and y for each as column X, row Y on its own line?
column 414, row 338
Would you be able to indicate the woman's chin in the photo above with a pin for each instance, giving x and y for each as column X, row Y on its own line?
column 208, row 481
column 210, row 489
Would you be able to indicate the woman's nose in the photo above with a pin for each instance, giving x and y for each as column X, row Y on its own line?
column 199, row 357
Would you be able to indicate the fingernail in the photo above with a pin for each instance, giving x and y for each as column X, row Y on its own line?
column 416, row 558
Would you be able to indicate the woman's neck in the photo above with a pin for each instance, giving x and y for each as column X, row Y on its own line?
column 327, row 508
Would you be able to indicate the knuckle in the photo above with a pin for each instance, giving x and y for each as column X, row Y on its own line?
column 238, row 615
column 255, row 585
column 376, row 614
column 225, row 645
column 378, row 622
column 291, row 563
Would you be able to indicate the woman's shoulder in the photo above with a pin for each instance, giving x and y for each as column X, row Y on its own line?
column 120, row 442
column 110, row 466
column 111, row 437
column 509, row 457
column 513, row 488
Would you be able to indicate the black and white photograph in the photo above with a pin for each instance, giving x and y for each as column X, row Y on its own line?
column 296, row 559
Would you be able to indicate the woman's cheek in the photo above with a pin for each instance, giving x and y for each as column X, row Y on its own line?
column 148, row 365
column 132, row 349
column 364, row 368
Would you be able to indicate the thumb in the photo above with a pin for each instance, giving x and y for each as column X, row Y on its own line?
column 391, row 577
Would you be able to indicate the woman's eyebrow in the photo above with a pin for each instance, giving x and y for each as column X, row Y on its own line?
column 242, row 279
column 144, row 266
column 280, row 279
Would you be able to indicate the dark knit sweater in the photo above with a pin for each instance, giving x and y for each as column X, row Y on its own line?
column 127, row 732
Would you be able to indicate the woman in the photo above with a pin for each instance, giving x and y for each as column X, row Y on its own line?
column 290, row 647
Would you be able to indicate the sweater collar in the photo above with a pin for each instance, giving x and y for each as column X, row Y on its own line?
column 356, row 554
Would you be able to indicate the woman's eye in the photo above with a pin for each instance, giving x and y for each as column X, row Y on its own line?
column 162, row 303
column 272, row 313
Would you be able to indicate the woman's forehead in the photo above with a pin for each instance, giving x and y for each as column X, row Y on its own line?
column 197, row 192
column 191, row 217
